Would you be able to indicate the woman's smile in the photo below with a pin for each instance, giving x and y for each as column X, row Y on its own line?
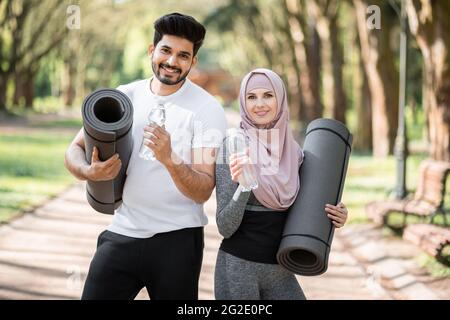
column 261, row 113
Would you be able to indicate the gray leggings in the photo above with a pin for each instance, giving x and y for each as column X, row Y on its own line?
column 239, row 279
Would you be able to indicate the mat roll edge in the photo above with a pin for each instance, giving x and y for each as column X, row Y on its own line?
column 107, row 122
column 308, row 232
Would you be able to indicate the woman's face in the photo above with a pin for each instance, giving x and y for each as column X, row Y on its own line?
column 261, row 105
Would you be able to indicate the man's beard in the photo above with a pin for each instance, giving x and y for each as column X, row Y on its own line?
column 167, row 81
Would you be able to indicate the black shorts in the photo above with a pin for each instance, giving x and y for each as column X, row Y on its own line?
column 168, row 265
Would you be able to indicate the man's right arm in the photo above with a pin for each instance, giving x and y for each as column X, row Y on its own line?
column 75, row 162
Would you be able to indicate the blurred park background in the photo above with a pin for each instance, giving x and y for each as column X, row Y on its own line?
column 339, row 59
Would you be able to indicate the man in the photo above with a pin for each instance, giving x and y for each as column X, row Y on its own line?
column 156, row 237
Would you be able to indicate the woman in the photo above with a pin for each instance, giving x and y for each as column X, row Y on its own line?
column 252, row 222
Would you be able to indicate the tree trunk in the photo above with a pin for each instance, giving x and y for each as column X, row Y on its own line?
column 3, row 84
column 307, row 52
column 292, row 72
column 28, row 89
column 363, row 136
column 382, row 76
column 339, row 96
column 314, row 61
column 24, row 88
column 326, row 13
column 18, row 89
column 429, row 22
column 68, row 83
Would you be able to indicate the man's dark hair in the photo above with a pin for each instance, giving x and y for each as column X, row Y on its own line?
column 180, row 25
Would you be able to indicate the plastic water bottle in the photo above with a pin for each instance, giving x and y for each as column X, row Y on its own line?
column 238, row 143
column 157, row 115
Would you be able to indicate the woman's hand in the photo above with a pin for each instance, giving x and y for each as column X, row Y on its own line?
column 237, row 162
column 338, row 214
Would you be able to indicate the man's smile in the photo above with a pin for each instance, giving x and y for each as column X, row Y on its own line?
column 170, row 70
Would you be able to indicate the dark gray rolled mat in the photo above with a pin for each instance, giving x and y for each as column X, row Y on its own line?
column 107, row 121
column 308, row 232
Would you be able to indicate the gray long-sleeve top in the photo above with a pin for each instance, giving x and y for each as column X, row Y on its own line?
column 231, row 200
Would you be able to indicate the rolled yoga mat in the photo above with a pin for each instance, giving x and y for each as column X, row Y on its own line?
column 107, row 121
column 308, row 232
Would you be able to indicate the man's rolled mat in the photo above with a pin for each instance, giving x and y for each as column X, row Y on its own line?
column 107, row 121
column 308, row 231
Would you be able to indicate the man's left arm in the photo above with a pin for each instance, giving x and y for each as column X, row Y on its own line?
column 197, row 180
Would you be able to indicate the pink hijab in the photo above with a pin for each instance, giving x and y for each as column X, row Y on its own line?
column 273, row 150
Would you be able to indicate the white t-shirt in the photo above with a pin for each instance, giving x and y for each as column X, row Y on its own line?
column 151, row 201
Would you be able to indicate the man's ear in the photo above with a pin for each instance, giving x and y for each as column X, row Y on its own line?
column 194, row 61
column 151, row 49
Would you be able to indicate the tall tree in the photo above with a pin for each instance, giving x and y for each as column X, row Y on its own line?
column 378, row 59
column 35, row 30
column 327, row 13
column 229, row 18
column 43, row 35
column 307, row 51
column 362, row 100
column 13, row 15
column 363, row 137
column 69, row 76
column 430, row 23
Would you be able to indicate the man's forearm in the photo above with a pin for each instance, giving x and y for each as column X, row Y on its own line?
column 75, row 162
column 193, row 184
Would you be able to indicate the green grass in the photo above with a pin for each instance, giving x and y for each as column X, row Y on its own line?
column 31, row 169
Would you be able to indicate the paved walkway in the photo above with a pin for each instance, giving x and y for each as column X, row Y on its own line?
column 45, row 254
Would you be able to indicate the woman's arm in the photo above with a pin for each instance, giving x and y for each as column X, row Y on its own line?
column 231, row 200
